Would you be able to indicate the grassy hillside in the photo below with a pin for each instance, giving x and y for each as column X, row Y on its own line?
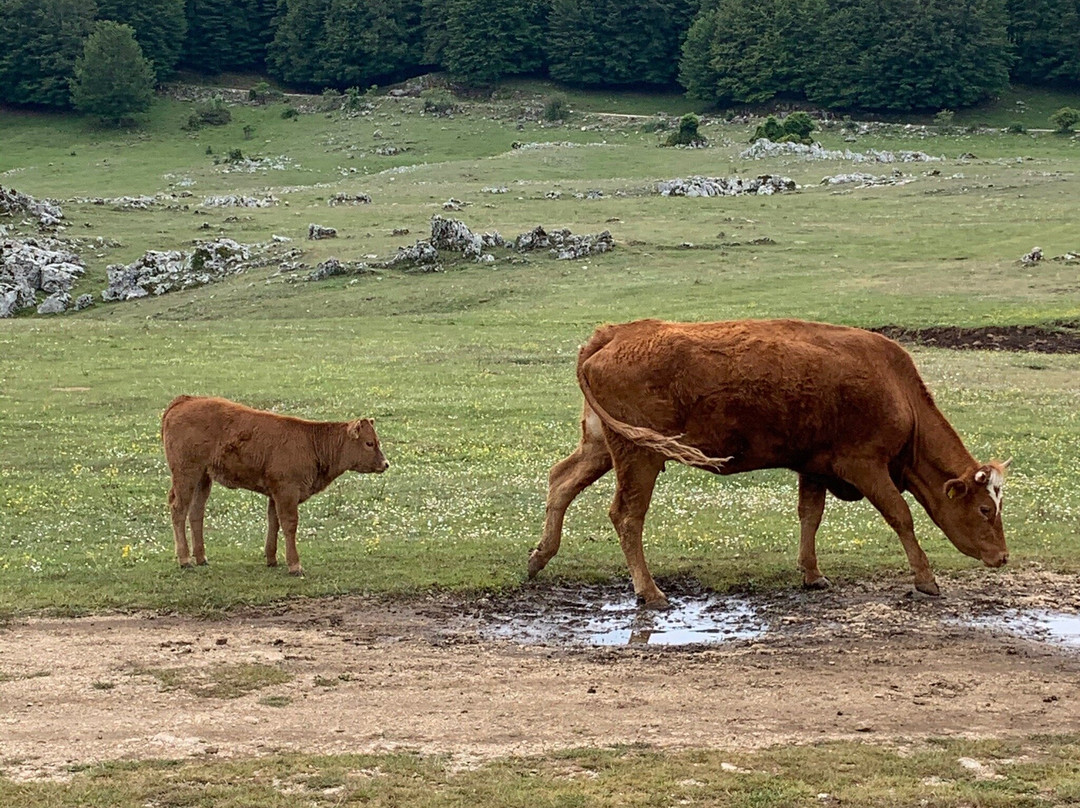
column 470, row 371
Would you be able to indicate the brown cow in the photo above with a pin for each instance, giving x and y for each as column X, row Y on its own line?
column 288, row 459
column 843, row 407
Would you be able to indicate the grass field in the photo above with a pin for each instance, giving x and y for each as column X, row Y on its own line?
column 470, row 371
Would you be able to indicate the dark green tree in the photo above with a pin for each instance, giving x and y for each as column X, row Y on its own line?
column 294, row 55
column 617, row 42
column 39, row 43
column 112, row 77
column 228, row 34
column 929, row 55
column 487, row 40
column 1044, row 35
column 748, row 51
column 160, row 27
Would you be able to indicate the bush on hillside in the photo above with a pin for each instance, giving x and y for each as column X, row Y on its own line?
column 687, row 134
column 1065, row 119
column 113, row 79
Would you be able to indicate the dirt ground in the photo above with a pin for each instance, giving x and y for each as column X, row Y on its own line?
column 1064, row 338
column 864, row 660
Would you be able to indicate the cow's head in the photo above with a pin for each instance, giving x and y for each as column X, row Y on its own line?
column 971, row 513
column 362, row 451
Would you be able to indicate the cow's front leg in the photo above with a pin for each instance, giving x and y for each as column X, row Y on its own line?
column 811, row 508
column 568, row 478
column 288, row 520
column 636, row 470
column 883, row 494
column 271, row 532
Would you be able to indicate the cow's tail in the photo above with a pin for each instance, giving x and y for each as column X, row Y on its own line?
column 173, row 403
column 668, row 445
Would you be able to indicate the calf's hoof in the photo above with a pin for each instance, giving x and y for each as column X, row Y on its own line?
column 202, row 563
column 928, row 588
column 271, row 562
column 657, row 601
column 535, row 564
column 817, row 583
column 187, row 565
column 296, row 573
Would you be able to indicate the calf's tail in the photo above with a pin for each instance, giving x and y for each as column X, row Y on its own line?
column 668, row 445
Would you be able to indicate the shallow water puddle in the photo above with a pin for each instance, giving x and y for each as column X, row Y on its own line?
column 610, row 619
column 1059, row 628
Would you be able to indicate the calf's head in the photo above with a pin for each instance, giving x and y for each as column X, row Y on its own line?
column 971, row 513
column 362, row 450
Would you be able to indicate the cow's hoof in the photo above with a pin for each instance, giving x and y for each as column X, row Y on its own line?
column 657, row 602
column 271, row 563
column 297, row 573
column 818, row 583
column 202, row 563
column 928, row 588
column 187, row 565
column 535, row 565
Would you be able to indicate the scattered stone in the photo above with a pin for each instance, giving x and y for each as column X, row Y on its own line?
column 280, row 239
column 764, row 147
column 317, row 231
column 349, row 199
column 1033, row 257
column 390, row 151
column 158, row 272
column 121, row 202
column 980, row 770
column 594, row 193
column 563, row 244
column 452, row 234
column 239, row 201
column 862, row 180
column 84, row 302
column 30, row 266
column 421, row 255
column 56, row 303
column 553, row 195
column 501, row 189
column 400, row 231
column 249, row 165
column 14, row 203
column 763, row 185
column 453, row 204
column 333, row 266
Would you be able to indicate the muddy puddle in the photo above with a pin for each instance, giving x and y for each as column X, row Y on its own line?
column 1041, row 625
column 606, row 616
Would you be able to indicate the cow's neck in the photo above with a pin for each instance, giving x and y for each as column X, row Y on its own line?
column 938, row 456
column 329, row 461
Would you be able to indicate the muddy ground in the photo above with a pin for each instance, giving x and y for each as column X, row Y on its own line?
column 1063, row 337
column 864, row 660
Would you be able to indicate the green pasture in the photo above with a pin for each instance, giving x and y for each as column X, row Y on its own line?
column 1025, row 774
column 469, row 372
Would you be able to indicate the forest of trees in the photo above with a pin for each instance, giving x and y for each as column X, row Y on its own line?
column 839, row 54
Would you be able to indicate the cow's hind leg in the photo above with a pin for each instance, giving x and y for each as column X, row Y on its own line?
column 196, row 515
column 271, row 532
column 568, row 478
column 874, row 481
column 811, row 508
column 636, row 470
column 180, row 495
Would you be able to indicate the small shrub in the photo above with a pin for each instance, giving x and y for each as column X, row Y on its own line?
column 211, row 113
column 556, row 108
column 687, row 134
column 944, row 119
column 331, row 100
column 290, row 112
column 209, row 149
column 263, row 93
column 248, row 130
column 1065, row 119
column 770, row 129
column 1017, row 128
column 438, row 101
column 353, row 99
column 235, row 156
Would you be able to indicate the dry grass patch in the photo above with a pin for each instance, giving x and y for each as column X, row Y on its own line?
column 225, row 681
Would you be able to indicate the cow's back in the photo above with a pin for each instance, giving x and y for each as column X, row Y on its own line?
column 767, row 392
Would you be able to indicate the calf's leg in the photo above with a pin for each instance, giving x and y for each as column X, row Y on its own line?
column 636, row 470
column 811, row 508
column 196, row 515
column 288, row 520
column 568, row 478
column 874, row 481
column 180, row 496
column 271, row 532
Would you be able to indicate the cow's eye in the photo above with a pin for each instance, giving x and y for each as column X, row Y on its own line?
column 370, row 444
column 986, row 511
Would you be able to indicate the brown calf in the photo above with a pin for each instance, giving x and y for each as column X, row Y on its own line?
column 288, row 459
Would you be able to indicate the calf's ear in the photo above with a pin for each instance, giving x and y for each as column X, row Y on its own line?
column 956, row 488
column 353, row 429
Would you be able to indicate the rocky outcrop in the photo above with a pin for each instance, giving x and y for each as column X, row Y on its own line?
column 562, row 244
column 30, row 267
column 763, row 185
column 317, row 231
column 14, row 203
column 239, row 201
column 764, row 147
column 349, row 199
column 158, row 272
column 455, row 236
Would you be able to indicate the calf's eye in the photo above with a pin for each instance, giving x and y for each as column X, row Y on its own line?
column 986, row 511
column 370, row 444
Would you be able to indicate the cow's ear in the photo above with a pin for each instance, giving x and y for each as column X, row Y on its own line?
column 353, row 429
column 956, row 488
column 981, row 476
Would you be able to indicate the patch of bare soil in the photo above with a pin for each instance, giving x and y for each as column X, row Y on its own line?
column 864, row 660
column 1061, row 338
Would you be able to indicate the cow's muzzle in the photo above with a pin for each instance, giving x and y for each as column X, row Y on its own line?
column 996, row 559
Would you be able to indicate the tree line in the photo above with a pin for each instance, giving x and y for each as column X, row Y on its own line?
column 853, row 54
